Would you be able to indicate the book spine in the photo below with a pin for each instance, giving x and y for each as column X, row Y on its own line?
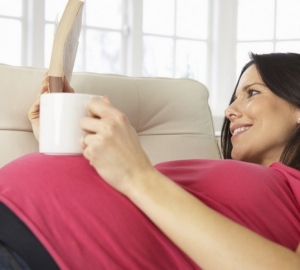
column 56, row 84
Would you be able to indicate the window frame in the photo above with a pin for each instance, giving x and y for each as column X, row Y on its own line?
column 33, row 50
column 222, row 42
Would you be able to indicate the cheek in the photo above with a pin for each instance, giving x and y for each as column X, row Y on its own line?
column 253, row 109
column 262, row 110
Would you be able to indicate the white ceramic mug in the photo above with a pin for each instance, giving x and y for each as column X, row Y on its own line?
column 60, row 115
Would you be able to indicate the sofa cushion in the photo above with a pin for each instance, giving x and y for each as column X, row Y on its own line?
column 171, row 116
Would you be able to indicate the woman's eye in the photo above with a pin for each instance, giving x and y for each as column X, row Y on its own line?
column 252, row 92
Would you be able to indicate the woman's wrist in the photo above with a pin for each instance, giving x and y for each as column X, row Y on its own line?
column 141, row 183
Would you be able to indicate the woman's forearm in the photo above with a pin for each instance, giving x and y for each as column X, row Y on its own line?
column 210, row 239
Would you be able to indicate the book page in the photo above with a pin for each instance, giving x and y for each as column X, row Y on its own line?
column 71, row 46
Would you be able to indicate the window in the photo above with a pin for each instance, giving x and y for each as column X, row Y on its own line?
column 201, row 39
column 169, row 42
column 53, row 11
column 11, row 29
column 267, row 26
column 175, row 34
column 101, row 48
column 103, row 38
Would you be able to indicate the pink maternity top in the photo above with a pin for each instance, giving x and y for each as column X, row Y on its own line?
column 85, row 224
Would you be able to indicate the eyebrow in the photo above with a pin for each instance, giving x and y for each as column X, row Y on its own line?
column 248, row 86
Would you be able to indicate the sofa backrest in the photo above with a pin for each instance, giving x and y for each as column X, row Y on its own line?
column 171, row 116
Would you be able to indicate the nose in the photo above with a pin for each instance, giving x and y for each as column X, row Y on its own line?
column 233, row 112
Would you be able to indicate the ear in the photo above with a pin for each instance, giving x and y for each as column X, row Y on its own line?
column 298, row 116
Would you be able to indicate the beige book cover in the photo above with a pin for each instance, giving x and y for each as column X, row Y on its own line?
column 65, row 44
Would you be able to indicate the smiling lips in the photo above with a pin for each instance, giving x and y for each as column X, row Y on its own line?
column 237, row 130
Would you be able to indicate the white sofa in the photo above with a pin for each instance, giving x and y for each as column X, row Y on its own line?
column 171, row 116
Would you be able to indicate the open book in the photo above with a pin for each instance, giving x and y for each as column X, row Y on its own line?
column 65, row 45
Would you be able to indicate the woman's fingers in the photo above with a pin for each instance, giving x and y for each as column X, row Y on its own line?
column 67, row 88
column 100, row 107
column 35, row 108
column 105, row 125
column 111, row 142
column 106, row 99
column 90, row 124
column 34, row 111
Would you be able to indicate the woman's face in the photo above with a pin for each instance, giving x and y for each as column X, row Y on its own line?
column 261, row 122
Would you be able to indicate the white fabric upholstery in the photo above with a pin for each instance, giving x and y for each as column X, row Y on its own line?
column 171, row 116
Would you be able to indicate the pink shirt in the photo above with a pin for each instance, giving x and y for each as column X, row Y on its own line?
column 86, row 224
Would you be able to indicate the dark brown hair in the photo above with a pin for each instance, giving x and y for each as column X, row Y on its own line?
column 281, row 74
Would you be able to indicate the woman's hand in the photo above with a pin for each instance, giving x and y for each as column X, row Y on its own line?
column 34, row 111
column 112, row 146
column 210, row 239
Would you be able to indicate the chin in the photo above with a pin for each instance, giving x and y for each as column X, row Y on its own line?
column 238, row 156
